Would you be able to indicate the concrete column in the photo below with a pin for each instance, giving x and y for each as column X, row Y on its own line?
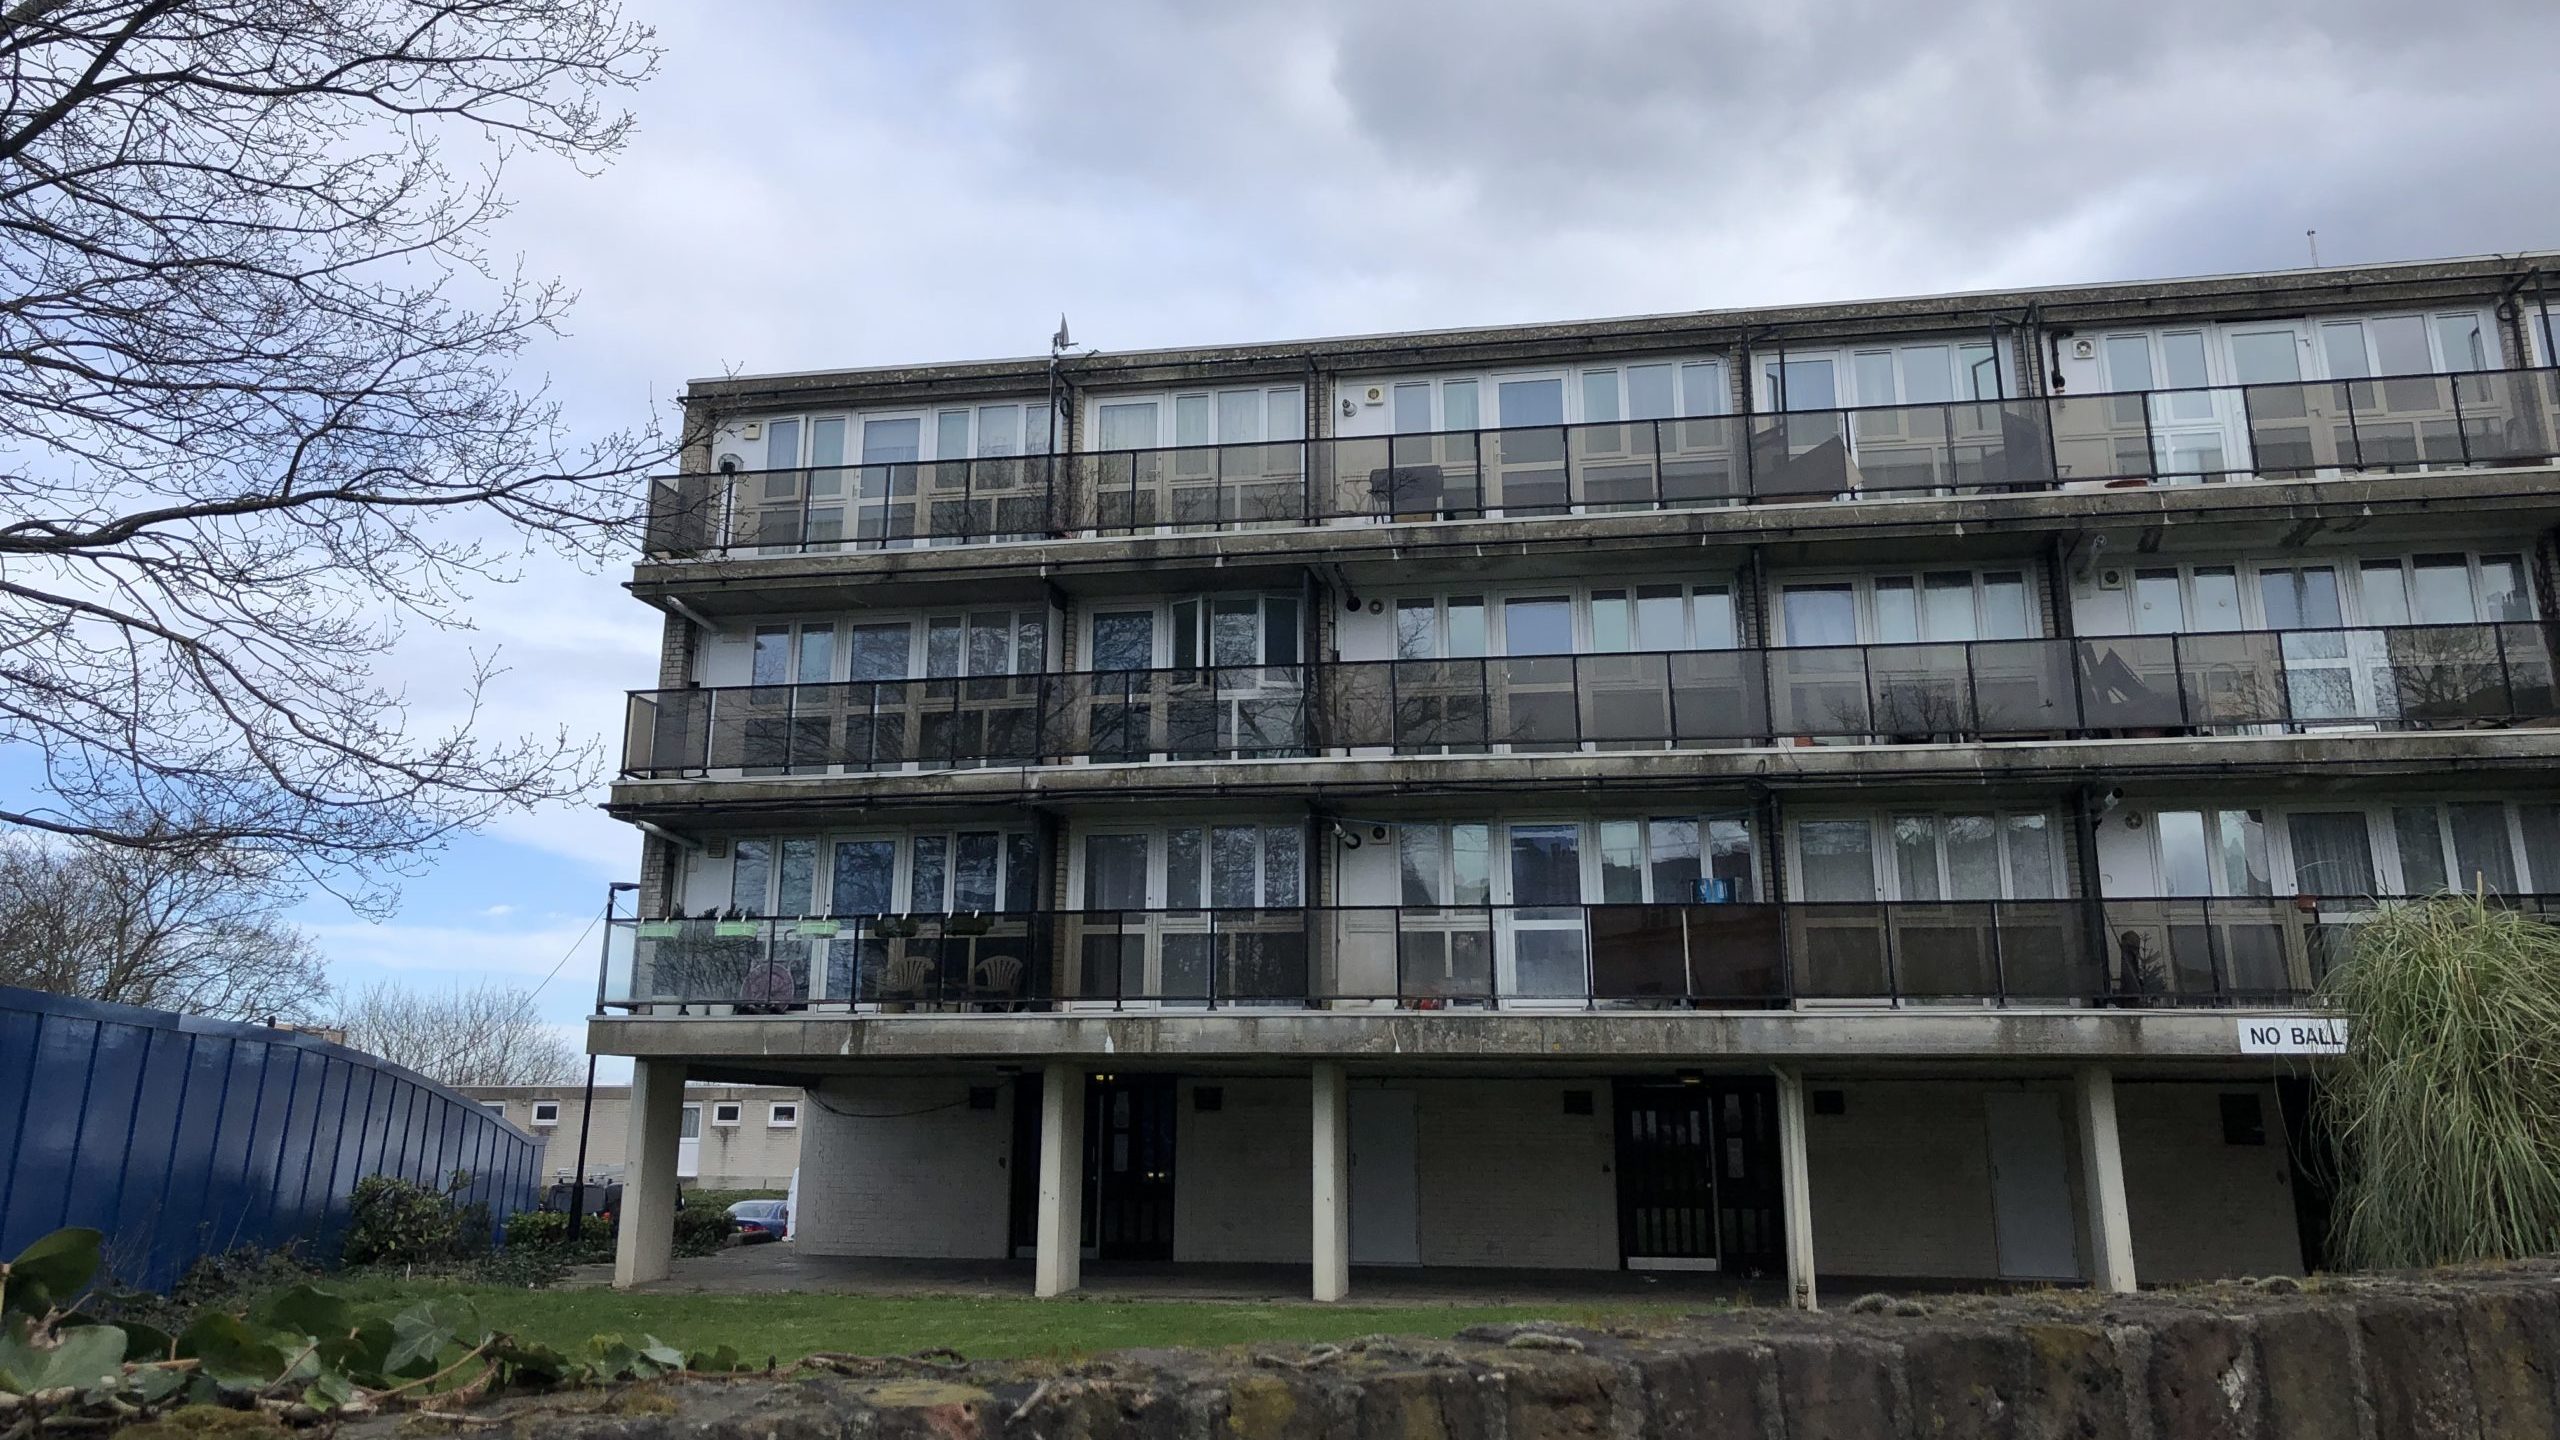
column 1332, row 1194
column 647, row 1245
column 2102, row 1181
column 1795, row 1190
column 1058, row 1263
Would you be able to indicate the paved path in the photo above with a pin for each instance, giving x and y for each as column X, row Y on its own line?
column 782, row 1269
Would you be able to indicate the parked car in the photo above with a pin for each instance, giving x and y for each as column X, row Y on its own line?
column 757, row 1220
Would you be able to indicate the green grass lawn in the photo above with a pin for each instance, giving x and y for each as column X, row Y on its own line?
column 788, row 1326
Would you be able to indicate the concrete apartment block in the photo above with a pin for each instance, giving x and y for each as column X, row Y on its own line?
column 1827, row 794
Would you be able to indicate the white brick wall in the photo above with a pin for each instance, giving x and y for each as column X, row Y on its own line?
column 906, row 1168
column 1242, row 1184
column 2203, row 1209
column 1509, row 1179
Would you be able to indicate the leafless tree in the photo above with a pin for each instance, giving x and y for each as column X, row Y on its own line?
column 195, row 931
column 484, row 1034
column 257, row 409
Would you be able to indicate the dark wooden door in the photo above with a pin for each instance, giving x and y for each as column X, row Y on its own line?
column 1129, row 1124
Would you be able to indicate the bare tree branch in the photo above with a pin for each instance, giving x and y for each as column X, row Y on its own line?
column 198, row 931
column 484, row 1034
column 258, row 409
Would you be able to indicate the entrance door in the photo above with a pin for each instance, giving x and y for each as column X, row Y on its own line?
column 1698, row 1176
column 1128, row 1126
column 1385, row 1207
column 2273, row 420
column 689, row 1144
column 2030, row 1193
column 2323, row 682
column 1544, row 956
column 1667, row 1177
column 885, row 491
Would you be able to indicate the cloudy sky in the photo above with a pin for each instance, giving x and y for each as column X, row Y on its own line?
column 825, row 184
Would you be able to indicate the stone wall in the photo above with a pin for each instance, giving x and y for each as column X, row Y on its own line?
column 2474, row 1355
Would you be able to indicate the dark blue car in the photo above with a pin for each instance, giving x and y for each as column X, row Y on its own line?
column 760, row 1220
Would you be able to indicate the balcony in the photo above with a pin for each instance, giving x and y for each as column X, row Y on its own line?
column 1962, row 448
column 2125, row 953
column 2292, row 681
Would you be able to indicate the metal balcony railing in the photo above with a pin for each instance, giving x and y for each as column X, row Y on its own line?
column 2397, row 678
column 1955, row 448
column 2221, row 951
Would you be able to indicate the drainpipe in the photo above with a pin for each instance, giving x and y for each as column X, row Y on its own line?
column 2093, row 909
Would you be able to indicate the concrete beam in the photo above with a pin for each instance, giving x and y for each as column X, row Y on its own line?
column 1058, row 1239
column 895, row 577
column 1795, row 1190
column 2102, row 1181
column 2447, row 755
column 1747, row 1039
column 645, row 1249
column 1332, row 1182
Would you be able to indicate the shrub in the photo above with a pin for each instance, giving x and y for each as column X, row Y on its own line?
column 546, row 1233
column 2447, row 1103
column 701, row 1230
column 400, row 1222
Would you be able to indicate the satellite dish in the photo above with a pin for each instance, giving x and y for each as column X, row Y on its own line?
column 1061, row 341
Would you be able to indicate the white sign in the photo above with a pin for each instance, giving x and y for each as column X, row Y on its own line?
column 2293, row 1035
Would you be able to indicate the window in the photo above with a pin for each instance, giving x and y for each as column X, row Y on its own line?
column 1243, row 416
column 1633, row 860
column 691, row 1128
column 2444, row 343
column 726, row 1112
column 1591, row 394
column 1219, row 630
column 782, row 1115
column 1935, row 606
column 1602, row 620
column 546, row 1112
column 931, row 871
column 1930, row 855
column 2213, row 852
column 1926, row 373
column 957, row 433
column 495, row 1107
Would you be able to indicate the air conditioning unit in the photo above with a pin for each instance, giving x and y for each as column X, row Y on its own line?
column 2111, row 577
column 1374, row 395
column 751, row 430
column 2084, row 349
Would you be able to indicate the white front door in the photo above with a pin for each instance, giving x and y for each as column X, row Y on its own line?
column 1385, row 1206
column 689, row 1145
column 2030, row 1193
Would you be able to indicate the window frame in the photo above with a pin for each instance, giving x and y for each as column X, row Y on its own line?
column 775, row 1117
column 727, row 1114
column 1168, row 406
column 1884, row 857
column 1863, row 586
column 536, row 1117
column 1689, row 390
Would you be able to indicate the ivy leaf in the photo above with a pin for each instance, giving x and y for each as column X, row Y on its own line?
column 89, row 1357
column 715, row 1362
column 329, row 1391
column 661, row 1354
column 418, row 1336
column 56, row 1268
column 151, row 1386
column 231, row 1353
column 310, row 1310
